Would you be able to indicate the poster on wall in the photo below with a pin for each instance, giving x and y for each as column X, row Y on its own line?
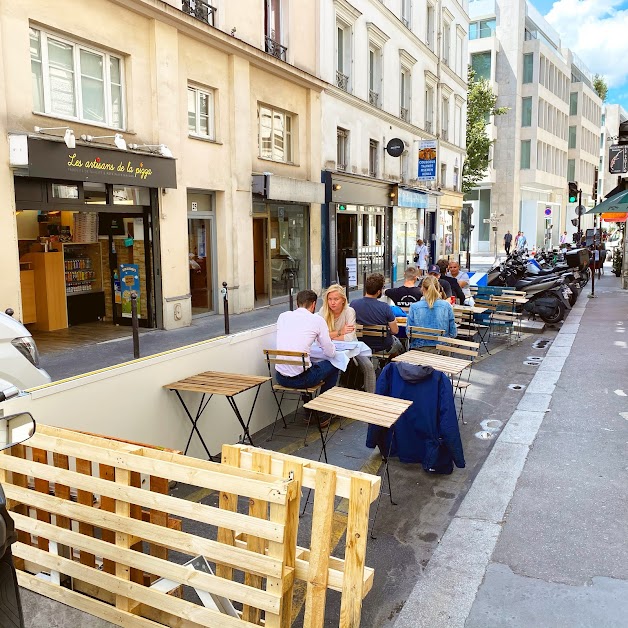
column 129, row 282
column 352, row 266
column 427, row 160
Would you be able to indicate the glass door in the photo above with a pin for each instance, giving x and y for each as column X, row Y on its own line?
column 201, row 264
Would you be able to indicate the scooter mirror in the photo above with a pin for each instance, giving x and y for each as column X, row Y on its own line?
column 16, row 429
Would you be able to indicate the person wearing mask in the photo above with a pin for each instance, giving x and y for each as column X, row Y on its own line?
column 409, row 293
column 431, row 312
column 461, row 277
column 456, row 290
column 507, row 242
column 340, row 319
column 369, row 310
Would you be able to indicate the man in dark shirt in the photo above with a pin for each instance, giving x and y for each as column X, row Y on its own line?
column 406, row 295
column 369, row 310
column 434, row 270
column 456, row 290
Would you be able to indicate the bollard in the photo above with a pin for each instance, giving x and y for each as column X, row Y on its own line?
column 225, row 303
column 290, row 296
column 371, row 262
column 347, row 286
column 364, row 284
column 136, row 327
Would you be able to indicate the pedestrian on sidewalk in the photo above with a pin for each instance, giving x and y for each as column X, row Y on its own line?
column 507, row 242
column 523, row 243
column 421, row 255
column 517, row 240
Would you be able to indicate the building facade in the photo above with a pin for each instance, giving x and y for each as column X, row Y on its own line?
column 612, row 117
column 549, row 135
column 177, row 139
column 395, row 70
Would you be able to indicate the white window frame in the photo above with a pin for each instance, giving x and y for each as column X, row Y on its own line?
column 347, row 34
column 288, row 136
column 446, row 52
column 445, row 119
column 429, row 108
column 342, row 142
column 375, row 73
column 406, row 13
column 373, row 158
column 430, row 12
column 210, row 93
column 405, row 92
column 78, row 94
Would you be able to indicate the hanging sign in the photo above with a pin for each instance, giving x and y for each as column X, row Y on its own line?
column 427, row 160
column 129, row 283
column 352, row 266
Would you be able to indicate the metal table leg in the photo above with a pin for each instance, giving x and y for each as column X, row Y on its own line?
column 245, row 426
column 387, row 472
column 201, row 408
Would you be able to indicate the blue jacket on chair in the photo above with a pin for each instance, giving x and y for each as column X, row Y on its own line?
column 416, row 437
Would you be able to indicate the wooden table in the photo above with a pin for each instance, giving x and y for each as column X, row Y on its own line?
column 215, row 383
column 469, row 308
column 449, row 366
column 366, row 407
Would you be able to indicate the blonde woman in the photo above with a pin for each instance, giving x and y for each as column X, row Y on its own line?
column 432, row 312
column 340, row 319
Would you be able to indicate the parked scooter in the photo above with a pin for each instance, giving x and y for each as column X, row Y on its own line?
column 14, row 429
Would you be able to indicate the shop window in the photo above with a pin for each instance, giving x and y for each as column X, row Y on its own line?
column 65, row 191
column 201, row 113
column 275, row 134
column 130, row 195
column 72, row 81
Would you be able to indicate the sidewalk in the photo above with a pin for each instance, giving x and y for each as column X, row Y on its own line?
column 540, row 539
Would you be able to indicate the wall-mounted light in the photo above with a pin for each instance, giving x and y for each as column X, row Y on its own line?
column 118, row 139
column 68, row 136
column 336, row 186
column 160, row 149
column 392, row 194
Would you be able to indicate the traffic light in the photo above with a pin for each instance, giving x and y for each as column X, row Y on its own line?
column 573, row 191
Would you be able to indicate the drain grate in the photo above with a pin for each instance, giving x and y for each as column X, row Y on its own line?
column 540, row 344
column 531, row 363
column 534, row 358
column 516, row 386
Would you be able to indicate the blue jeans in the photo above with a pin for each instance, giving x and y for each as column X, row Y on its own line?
column 319, row 372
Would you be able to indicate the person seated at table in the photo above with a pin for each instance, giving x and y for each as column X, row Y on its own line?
column 297, row 331
column 340, row 319
column 461, row 277
column 456, row 290
column 432, row 312
column 369, row 310
column 409, row 293
column 434, row 271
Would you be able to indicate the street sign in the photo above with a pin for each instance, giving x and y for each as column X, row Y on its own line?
column 548, row 211
column 580, row 210
column 618, row 159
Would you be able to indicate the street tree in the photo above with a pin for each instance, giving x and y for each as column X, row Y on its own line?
column 481, row 105
column 600, row 86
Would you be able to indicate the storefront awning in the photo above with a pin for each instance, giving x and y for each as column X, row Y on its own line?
column 52, row 159
column 615, row 217
column 278, row 188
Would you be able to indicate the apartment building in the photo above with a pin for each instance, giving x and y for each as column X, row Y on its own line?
column 163, row 148
column 612, row 117
column 549, row 135
column 396, row 71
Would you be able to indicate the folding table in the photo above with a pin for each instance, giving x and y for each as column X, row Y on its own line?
column 215, row 383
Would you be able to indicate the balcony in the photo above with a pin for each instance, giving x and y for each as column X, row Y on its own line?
column 275, row 48
column 342, row 81
column 200, row 10
column 374, row 98
column 404, row 114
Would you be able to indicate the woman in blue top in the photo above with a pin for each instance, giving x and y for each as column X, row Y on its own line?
column 432, row 312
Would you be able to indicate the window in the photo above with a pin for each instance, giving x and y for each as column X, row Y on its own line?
column 406, row 12
column 73, row 81
column 375, row 74
column 373, row 154
column 343, row 55
column 445, row 120
column 403, row 166
column 429, row 26
column 273, row 20
column 201, row 113
column 526, row 111
column 528, row 68
column 572, row 137
column 573, row 104
column 525, row 154
column 342, row 149
column 456, row 178
column 571, row 170
column 443, row 175
column 429, row 109
column 446, row 42
column 481, row 64
column 275, row 135
column 405, row 85
column 481, row 29
column 459, row 54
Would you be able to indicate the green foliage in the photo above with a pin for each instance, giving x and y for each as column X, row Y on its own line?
column 600, row 86
column 617, row 261
column 481, row 104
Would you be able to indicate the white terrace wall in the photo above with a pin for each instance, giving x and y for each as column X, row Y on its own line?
column 128, row 401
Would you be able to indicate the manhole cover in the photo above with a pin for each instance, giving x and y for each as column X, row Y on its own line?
column 491, row 425
column 531, row 363
column 516, row 386
column 484, row 435
column 534, row 358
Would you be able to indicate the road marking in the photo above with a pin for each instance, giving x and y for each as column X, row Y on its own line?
column 620, row 393
column 624, row 415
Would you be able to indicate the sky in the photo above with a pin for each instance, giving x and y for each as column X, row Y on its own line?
column 597, row 31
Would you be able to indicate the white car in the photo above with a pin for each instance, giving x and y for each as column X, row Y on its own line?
column 19, row 358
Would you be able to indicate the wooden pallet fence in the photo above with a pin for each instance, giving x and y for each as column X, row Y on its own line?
column 320, row 571
column 78, row 504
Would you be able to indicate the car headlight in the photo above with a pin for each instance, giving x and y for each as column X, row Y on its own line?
column 27, row 347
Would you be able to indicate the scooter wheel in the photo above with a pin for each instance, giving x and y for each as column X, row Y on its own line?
column 557, row 315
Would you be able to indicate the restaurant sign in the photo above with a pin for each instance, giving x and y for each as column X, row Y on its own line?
column 54, row 160
column 427, row 160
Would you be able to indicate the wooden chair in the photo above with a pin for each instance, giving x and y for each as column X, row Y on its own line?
column 374, row 331
column 291, row 358
column 506, row 315
column 423, row 333
column 484, row 321
column 466, row 350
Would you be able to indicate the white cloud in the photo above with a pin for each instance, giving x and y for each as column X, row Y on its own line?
column 597, row 31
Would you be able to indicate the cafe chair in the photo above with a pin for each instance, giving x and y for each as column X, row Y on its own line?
column 484, row 321
column 423, row 333
column 291, row 358
column 374, row 331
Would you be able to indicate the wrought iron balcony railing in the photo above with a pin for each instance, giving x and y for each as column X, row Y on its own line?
column 342, row 80
column 404, row 114
column 275, row 48
column 200, row 10
column 374, row 98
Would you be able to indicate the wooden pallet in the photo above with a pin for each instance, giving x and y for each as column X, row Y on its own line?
column 78, row 503
column 315, row 566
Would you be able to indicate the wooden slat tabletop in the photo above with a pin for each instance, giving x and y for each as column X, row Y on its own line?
column 468, row 308
column 444, row 363
column 216, row 383
column 361, row 406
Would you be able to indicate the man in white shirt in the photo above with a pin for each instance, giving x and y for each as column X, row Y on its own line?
column 462, row 278
column 297, row 331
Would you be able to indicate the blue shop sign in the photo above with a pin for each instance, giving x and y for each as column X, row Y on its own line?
column 410, row 198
